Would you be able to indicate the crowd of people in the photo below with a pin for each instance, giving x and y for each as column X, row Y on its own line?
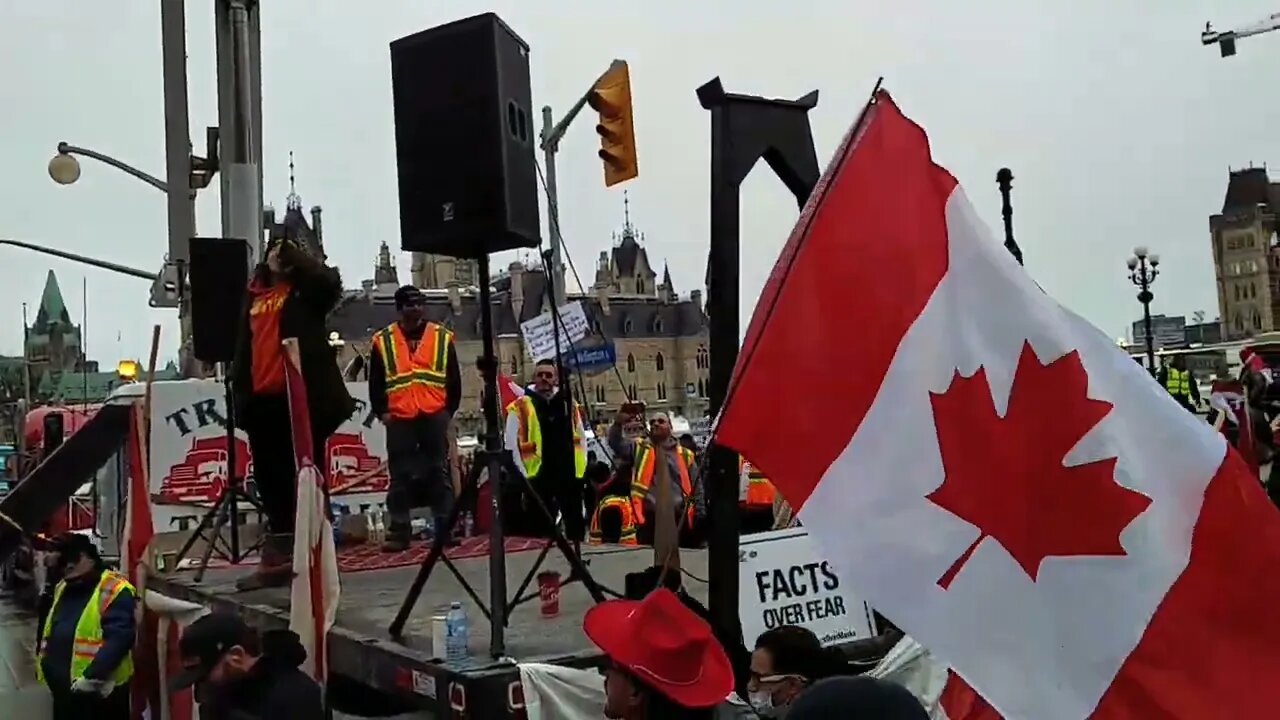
column 86, row 641
column 664, row 658
column 665, row 661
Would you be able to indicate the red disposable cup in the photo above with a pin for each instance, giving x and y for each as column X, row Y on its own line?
column 549, row 592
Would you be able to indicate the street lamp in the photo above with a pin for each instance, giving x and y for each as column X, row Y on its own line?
column 64, row 168
column 1142, row 273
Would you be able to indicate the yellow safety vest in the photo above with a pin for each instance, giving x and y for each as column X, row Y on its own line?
column 529, row 439
column 415, row 380
column 88, row 640
column 1178, row 383
column 627, row 535
column 643, row 472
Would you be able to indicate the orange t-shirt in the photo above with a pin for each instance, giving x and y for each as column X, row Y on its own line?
column 264, row 326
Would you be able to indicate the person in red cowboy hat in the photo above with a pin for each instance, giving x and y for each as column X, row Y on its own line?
column 663, row 661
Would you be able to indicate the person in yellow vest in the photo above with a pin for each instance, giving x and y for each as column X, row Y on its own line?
column 415, row 387
column 615, row 510
column 755, row 498
column 547, row 441
column 682, row 466
column 1178, row 381
column 85, row 650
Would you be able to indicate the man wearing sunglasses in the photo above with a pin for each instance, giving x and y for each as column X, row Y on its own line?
column 548, row 442
column 643, row 456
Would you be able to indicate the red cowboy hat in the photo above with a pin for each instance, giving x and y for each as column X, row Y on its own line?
column 664, row 644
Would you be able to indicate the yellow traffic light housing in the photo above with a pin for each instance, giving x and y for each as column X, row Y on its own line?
column 611, row 97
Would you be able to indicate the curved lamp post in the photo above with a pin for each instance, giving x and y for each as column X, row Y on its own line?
column 1142, row 273
column 64, row 168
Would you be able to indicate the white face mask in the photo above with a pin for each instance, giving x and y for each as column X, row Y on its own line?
column 762, row 702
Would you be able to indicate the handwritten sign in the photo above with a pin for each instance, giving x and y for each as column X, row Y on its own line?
column 539, row 333
column 784, row 581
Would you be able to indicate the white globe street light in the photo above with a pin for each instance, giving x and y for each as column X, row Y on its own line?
column 64, row 168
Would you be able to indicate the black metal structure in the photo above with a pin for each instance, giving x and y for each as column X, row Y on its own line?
column 744, row 129
column 1004, row 179
column 226, row 509
column 1143, row 273
column 497, row 462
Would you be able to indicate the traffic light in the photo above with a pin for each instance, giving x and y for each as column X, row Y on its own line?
column 611, row 97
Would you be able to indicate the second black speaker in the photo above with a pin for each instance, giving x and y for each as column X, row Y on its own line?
column 219, row 276
column 465, row 139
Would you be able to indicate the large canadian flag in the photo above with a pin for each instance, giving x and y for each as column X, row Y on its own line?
column 990, row 471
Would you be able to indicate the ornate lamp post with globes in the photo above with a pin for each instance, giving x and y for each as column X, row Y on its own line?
column 1142, row 273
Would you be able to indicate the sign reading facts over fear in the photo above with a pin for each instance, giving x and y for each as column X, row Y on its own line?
column 784, row 581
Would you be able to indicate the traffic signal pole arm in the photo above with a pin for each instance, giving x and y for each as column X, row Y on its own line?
column 552, row 132
column 103, row 264
column 1226, row 40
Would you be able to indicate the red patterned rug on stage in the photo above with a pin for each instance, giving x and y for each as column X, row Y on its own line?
column 369, row 556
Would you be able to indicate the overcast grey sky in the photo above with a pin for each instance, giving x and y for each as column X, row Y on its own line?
column 1119, row 127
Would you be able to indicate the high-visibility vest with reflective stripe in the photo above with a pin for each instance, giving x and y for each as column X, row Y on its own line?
column 529, row 437
column 415, row 380
column 1178, row 383
column 620, row 505
column 643, row 472
column 88, row 640
column 760, row 492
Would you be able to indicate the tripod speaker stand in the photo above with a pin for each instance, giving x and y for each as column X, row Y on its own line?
column 219, row 274
column 226, row 509
column 497, row 462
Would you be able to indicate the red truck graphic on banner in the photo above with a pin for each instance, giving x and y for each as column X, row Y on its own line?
column 352, row 468
column 202, row 473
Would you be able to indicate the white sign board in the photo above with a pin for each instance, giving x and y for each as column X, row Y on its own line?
column 784, row 581
column 539, row 333
column 188, row 448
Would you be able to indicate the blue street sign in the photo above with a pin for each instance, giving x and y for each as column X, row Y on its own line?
column 592, row 360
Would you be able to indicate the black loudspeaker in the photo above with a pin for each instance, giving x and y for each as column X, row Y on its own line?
column 465, row 139
column 218, row 276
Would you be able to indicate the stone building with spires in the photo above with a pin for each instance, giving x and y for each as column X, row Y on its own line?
column 660, row 336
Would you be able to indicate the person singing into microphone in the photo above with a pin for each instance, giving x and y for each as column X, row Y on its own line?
column 289, row 296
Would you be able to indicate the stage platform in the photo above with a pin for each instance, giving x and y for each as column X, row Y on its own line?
column 362, row 650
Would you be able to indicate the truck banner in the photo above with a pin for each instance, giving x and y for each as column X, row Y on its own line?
column 188, row 452
column 783, row 580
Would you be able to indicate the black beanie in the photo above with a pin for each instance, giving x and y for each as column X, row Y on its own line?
column 856, row 698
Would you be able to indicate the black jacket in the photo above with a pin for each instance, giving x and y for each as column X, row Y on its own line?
column 316, row 290
column 275, row 689
column 378, row 381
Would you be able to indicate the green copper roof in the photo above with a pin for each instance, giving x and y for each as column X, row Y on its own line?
column 52, row 306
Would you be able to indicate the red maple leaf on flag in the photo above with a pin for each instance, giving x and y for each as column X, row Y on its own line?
column 1006, row 476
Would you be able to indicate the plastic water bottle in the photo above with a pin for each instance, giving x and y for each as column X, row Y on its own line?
column 379, row 524
column 372, row 524
column 458, row 631
column 468, row 524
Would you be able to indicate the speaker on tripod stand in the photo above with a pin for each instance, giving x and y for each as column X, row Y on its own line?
column 219, row 274
column 468, row 187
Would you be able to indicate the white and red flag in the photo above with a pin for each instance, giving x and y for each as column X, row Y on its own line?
column 508, row 391
column 990, row 471
column 313, row 596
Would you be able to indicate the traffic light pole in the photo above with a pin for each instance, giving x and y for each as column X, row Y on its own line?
column 549, row 146
column 552, row 132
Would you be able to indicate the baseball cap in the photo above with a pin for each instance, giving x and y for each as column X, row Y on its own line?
column 204, row 643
